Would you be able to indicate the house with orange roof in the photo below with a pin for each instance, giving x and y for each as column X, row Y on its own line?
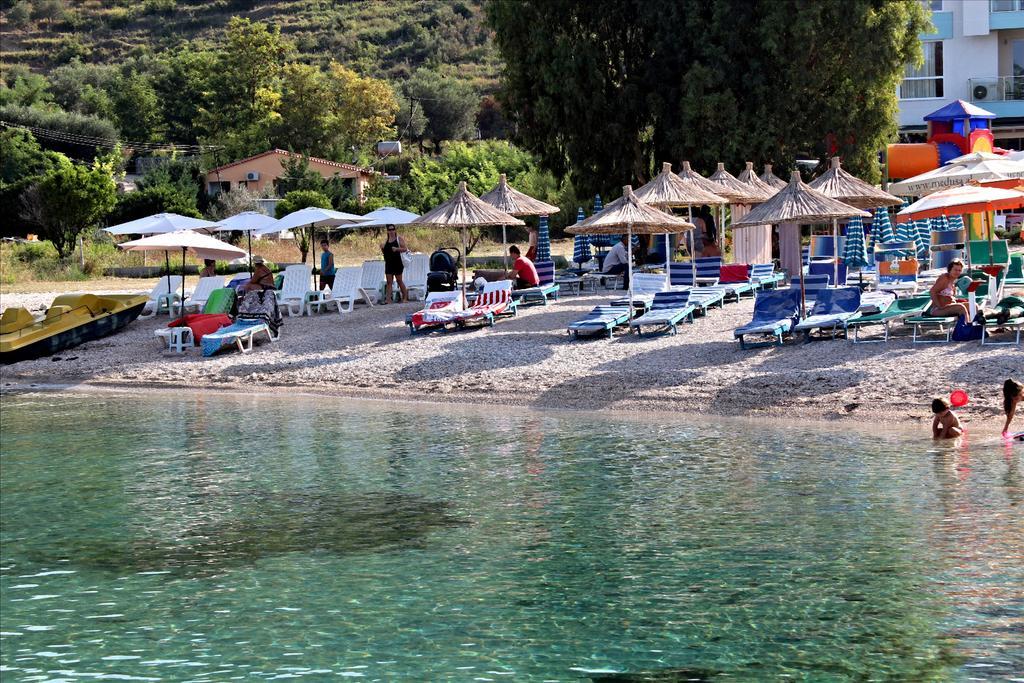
column 260, row 172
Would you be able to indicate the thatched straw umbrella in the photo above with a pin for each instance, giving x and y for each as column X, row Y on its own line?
column 745, row 249
column 769, row 178
column 506, row 198
column 630, row 214
column 464, row 210
column 749, row 177
column 688, row 175
column 798, row 203
column 738, row 194
column 666, row 191
column 849, row 189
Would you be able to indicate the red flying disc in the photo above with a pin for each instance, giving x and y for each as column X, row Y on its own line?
column 958, row 398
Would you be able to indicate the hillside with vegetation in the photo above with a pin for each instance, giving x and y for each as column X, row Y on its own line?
column 388, row 39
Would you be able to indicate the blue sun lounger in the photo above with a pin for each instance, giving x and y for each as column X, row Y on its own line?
column 542, row 292
column 765, row 276
column 833, row 308
column 704, row 298
column 668, row 310
column 601, row 319
column 240, row 334
column 775, row 313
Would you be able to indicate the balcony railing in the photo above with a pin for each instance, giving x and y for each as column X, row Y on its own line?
column 996, row 88
column 1006, row 5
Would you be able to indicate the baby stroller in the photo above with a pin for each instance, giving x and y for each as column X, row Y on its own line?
column 444, row 273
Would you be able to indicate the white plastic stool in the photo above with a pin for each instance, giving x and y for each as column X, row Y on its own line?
column 180, row 339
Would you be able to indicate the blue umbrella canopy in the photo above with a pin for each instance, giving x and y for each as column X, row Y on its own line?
column 924, row 231
column 955, row 222
column 581, row 245
column 881, row 226
column 543, row 240
column 602, row 240
column 855, row 253
column 905, row 232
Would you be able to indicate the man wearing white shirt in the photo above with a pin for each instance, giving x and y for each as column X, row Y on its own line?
column 617, row 261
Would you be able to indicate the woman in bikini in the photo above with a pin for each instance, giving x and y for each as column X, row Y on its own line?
column 944, row 303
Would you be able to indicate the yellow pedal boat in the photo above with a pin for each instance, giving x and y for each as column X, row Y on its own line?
column 73, row 319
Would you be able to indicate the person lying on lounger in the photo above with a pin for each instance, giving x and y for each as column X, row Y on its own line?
column 946, row 424
column 943, row 302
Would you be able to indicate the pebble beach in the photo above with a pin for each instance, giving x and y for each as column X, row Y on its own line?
column 529, row 361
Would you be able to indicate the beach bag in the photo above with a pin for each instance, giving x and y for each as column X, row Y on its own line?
column 966, row 331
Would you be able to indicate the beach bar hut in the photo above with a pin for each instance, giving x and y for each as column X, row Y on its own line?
column 464, row 210
column 629, row 215
column 509, row 200
column 798, row 203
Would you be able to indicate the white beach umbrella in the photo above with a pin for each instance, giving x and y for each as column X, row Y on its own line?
column 314, row 217
column 202, row 245
column 977, row 166
column 388, row 215
column 160, row 223
column 248, row 222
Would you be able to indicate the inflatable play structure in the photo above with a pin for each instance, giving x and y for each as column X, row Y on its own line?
column 958, row 128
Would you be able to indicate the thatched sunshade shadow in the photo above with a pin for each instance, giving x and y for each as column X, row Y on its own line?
column 798, row 203
column 506, row 198
column 732, row 189
column 630, row 215
column 688, row 175
column 849, row 189
column 749, row 177
column 464, row 210
column 769, row 178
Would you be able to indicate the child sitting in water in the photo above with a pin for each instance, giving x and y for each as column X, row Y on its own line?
column 946, row 424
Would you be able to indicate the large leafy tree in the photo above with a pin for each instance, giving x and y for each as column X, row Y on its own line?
column 70, row 199
column 448, row 106
column 605, row 89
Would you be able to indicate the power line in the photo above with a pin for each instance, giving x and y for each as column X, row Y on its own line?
column 91, row 141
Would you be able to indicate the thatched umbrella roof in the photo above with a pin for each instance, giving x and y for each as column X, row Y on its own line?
column 732, row 189
column 688, row 175
column 770, row 178
column 465, row 210
column 668, row 190
column 749, row 177
column 798, row 203
column 628, row 213
column 506, row 198
column 849, row 189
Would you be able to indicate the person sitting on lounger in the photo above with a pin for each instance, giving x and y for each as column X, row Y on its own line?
column 944, row 304
column 262, row 278
column 617, row 260
column 209, row 268
column 946, row 424
column 1009, row 308
column 1013, row 393
column 523, row 271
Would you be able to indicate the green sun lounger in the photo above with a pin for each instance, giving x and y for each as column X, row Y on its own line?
column 920, row 323
column 1014, row 325
column 220, row 301
column 897, row 310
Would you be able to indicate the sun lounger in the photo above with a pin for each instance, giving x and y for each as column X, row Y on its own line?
column 775, row 313
column 833, row 308
column 344, row 291
column 874, row 302
column 547, row 289
column 896, row 311
column 1013, row 324
column 645, row 286
column 495, row 300
column 765, row 276
column 295, row 288
column 704, row 298
column 994, row 253
column 197, row 299
column 736, row 279
column 220, row 301
column 922, row 323
column 812, row 285
column 241, row 334
column 415, row 276
column 161, row 299
column 707, row 270
column 1015, row 273
column 439, row 310
column 601, row 319
column 371, row 278
column 668, row 310
column 898, row 276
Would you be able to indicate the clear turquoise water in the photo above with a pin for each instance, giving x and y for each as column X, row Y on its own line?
column 244, row 538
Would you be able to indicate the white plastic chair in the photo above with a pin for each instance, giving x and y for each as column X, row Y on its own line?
column 344, row 291
column 202, row 292
column 370, row 281
column 163, row 296
column 292, row 294
column 416, row 276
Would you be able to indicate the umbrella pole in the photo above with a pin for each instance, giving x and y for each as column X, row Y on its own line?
column 629, row 265
column 167, row 262
column 504, row 247
column 182, row 281
column 312, row 252
column 693, row 249
column 991, row 229
column 463, row 234
column 800, row 269
column 835, row 252
column 249, row 234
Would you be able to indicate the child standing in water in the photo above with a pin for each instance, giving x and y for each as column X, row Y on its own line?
column 946, row 424
column 1013, row 392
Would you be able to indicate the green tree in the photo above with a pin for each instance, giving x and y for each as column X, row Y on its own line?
column 22, row 157
column 84, row 88
column 449, row 106
column 136, row 107
column 27, row 90
column 151, row 200
column 305, row 104
column 19, row 14
column 606, row 89
column 184, row 92
column 70, row 199
column 301, row 199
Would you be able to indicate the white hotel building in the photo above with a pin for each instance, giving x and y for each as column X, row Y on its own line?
column 975, row 54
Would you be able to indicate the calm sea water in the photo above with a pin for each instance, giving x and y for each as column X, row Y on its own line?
column 214, row 538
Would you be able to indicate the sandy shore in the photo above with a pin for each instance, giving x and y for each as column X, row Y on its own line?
column 528, row 360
